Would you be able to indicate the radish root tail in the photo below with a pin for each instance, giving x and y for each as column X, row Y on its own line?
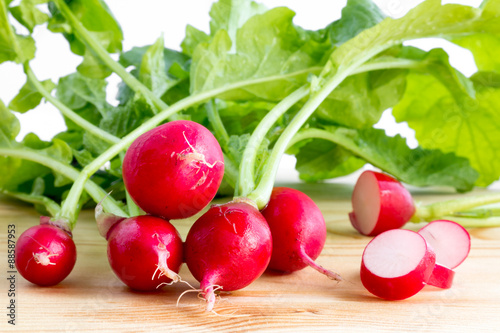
column 330, row 274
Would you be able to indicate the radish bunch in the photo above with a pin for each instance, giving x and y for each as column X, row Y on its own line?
column 398, row 263
column 172, row 171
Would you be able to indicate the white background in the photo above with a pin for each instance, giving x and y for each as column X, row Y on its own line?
column 144, row 21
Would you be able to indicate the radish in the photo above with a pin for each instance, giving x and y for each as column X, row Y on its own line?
column 45, row 254
column 397, row 264
column 145, row 252
column 174, row 170
column 227, row 248
column 441, row 277
column 298, row 230
column 450, row 241
column 379, row 203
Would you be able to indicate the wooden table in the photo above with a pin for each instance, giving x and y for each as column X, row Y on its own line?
column 93, row 299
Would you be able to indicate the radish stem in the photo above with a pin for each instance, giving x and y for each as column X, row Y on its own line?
column 87, row 38
column 94, row 190
column 439, row 209
column 86, row 125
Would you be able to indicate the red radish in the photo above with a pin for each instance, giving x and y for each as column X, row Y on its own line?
column 397, row 264
column 379, row 203
column 298, row 230
column 145, row 252
column 45, row 255
column 174, row 170
column 441, row 277
column 228, row 247
column 450, row 241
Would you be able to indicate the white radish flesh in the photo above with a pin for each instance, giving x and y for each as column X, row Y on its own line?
column 449, row 240
column 397, row 264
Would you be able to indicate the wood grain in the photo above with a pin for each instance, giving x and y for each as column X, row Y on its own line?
column 93, row 299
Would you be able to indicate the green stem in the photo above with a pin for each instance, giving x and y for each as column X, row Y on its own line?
column 217, row 124
column 263, row 191
column 470, row 222
column 52, row 207
column 89, row 127
column 230, row 171
column 94, row 190
column 437, row 210
column 101, row 52
column 246, row 182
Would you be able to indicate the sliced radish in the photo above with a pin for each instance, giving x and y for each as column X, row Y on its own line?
column 380, row 203
column 397, row 264
column 449, row 240
column 441, row 277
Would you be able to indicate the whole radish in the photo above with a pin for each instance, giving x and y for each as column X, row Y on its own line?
column 228, row 247
column 174, row 170
column 379, row 203
column 298, row 230
column 397, row 264
column 45, row 254
column 145, row 252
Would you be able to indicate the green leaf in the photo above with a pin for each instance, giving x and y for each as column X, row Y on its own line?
column 192, row 39
column 360, row 100
column 152, row 70
column 419, row 167
column 96, row 17
column 230, row 15
column 357, row 16
column 77, row 91
column 121, row 120
column 92, row 66
column 320, row 159
column 9, row 126
column 28, row 14
column 28, row 97
column 266, row 45
column 13, row 47
column 454, row 114
column 485, row 42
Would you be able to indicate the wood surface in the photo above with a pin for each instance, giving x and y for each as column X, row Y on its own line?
column 92, row 299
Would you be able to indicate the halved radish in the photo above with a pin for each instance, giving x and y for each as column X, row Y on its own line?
column 449, row 240
column 441, row 277
column 379, row 203
column 397, row 264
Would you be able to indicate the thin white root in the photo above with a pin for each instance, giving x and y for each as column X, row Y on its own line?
column 185, row 292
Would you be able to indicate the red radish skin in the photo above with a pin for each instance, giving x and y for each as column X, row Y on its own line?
column 174, row 170
column 450, row 241
column 441, row 277
column 45, row 255
column 397, row 264
column 298, row 230
column 228, row 247
column 145, row 252
column 380, row 203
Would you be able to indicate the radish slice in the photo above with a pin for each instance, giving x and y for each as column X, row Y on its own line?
column 397, row 264
column 441, row 277
column 449, row 240
column 380, row 203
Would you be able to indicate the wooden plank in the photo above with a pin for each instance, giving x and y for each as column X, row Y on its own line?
column 93, row 299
